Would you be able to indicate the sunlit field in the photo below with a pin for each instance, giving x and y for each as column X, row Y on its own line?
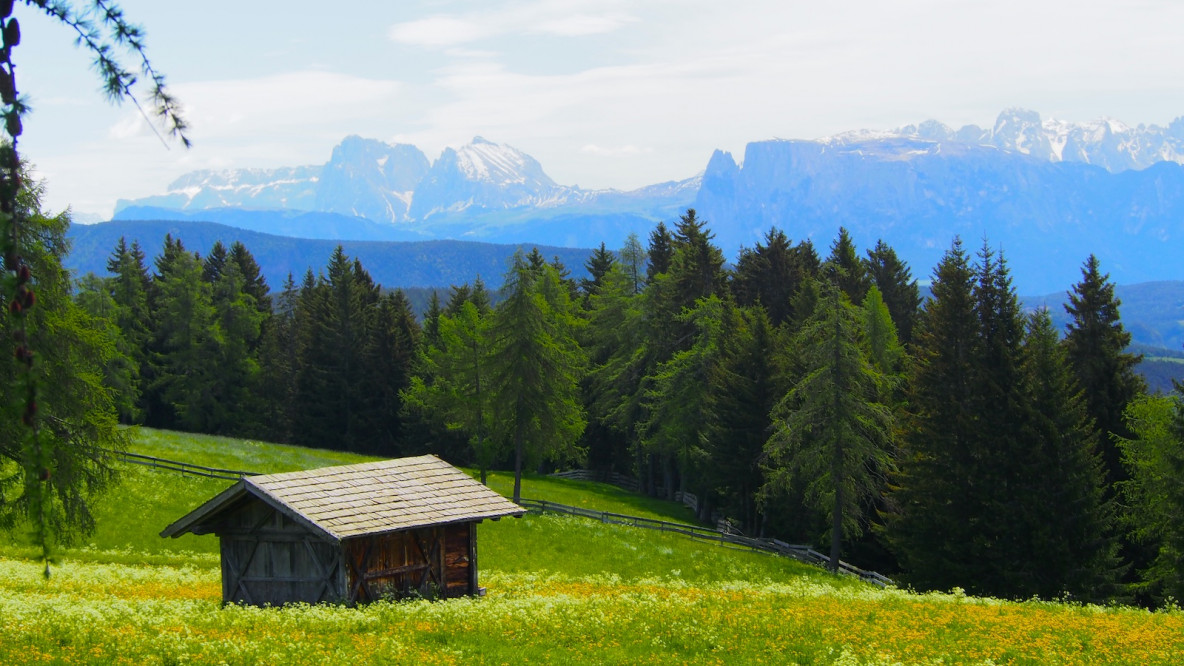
column 560, row 590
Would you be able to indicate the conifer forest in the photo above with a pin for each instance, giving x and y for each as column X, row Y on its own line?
column 805, row 393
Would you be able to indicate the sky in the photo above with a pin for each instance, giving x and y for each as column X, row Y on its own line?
column 604, row 93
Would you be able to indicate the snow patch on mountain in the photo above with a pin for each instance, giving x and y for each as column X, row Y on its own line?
column 1105, row 142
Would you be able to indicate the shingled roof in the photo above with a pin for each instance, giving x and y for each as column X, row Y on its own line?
column 364, row 499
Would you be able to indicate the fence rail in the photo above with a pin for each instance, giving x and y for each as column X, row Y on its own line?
column 797, row 552
column 182, row 467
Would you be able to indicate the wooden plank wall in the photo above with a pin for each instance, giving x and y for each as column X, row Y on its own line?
column 267, row 559
column 431, row 562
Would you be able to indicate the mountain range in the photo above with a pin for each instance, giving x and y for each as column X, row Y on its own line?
column 1046, row 192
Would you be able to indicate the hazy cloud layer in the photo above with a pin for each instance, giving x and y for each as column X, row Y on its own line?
column 607, row 93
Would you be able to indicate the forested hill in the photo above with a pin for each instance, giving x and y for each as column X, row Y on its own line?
column 393, row 264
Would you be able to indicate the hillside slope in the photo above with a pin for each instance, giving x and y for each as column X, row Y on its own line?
column 391, row 264
column 561, row 590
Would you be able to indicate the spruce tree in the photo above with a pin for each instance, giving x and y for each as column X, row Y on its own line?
column 696, row 266
column 188, row 345
column 279, row 363
column 597, row 265
column 615, row 339
column 329, row 388
column 830, row 430
column 681, row 393
column 129, row 288
column 934, row 522
column 769, row 275
column 897, row 287
column 852, row 277
column 387, row 355
column 660, row 252
column 1097, row 347
column 997, row 443
column 747, row 389
column 1072, row 532
column 235, row 387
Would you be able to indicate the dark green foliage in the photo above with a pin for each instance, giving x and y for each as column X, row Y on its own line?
column 254, row 284
column 57, row 457
column 534, row 376
column 680, row 395
column 129, row 289
column 771, row 274
column 937, row 524
column 897, row 287
column 452, row 387
column 852, row 277
column 431, row 321
column 745, row 392
column 214, row 263
column 831, row 435
column 387, row 356
column 1096, row 343
column 1074, row 550
column 460, row 294
column 597, row 266
column 697, row 265
column 614, row 342
column 330, row 389
column 998, row 493
column 660, row 252
column 279, row 363
column 187, row 346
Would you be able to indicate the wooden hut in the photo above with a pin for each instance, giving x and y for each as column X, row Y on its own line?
column 349, row 534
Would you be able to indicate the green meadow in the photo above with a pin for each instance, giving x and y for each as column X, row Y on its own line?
column 560, row 590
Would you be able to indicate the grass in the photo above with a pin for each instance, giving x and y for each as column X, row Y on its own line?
column 561, row 590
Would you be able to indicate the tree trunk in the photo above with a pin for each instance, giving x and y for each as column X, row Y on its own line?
column 836, row 523
column 668, row 477
column 518, row 446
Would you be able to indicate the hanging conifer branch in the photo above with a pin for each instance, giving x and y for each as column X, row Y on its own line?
column 37, row 450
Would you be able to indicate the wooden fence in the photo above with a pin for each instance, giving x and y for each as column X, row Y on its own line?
column 625, row 482
column 182, row 467
column 797, row 552
column 722, row 537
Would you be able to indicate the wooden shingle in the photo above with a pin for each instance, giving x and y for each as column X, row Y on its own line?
column 348, row 501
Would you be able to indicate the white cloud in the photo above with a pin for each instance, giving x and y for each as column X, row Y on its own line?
column 582, row 24
column 294, row 102
column 564, row 19
column 618, row 151
column 439, row 31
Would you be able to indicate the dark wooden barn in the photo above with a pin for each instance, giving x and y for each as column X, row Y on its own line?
column 349, row 534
